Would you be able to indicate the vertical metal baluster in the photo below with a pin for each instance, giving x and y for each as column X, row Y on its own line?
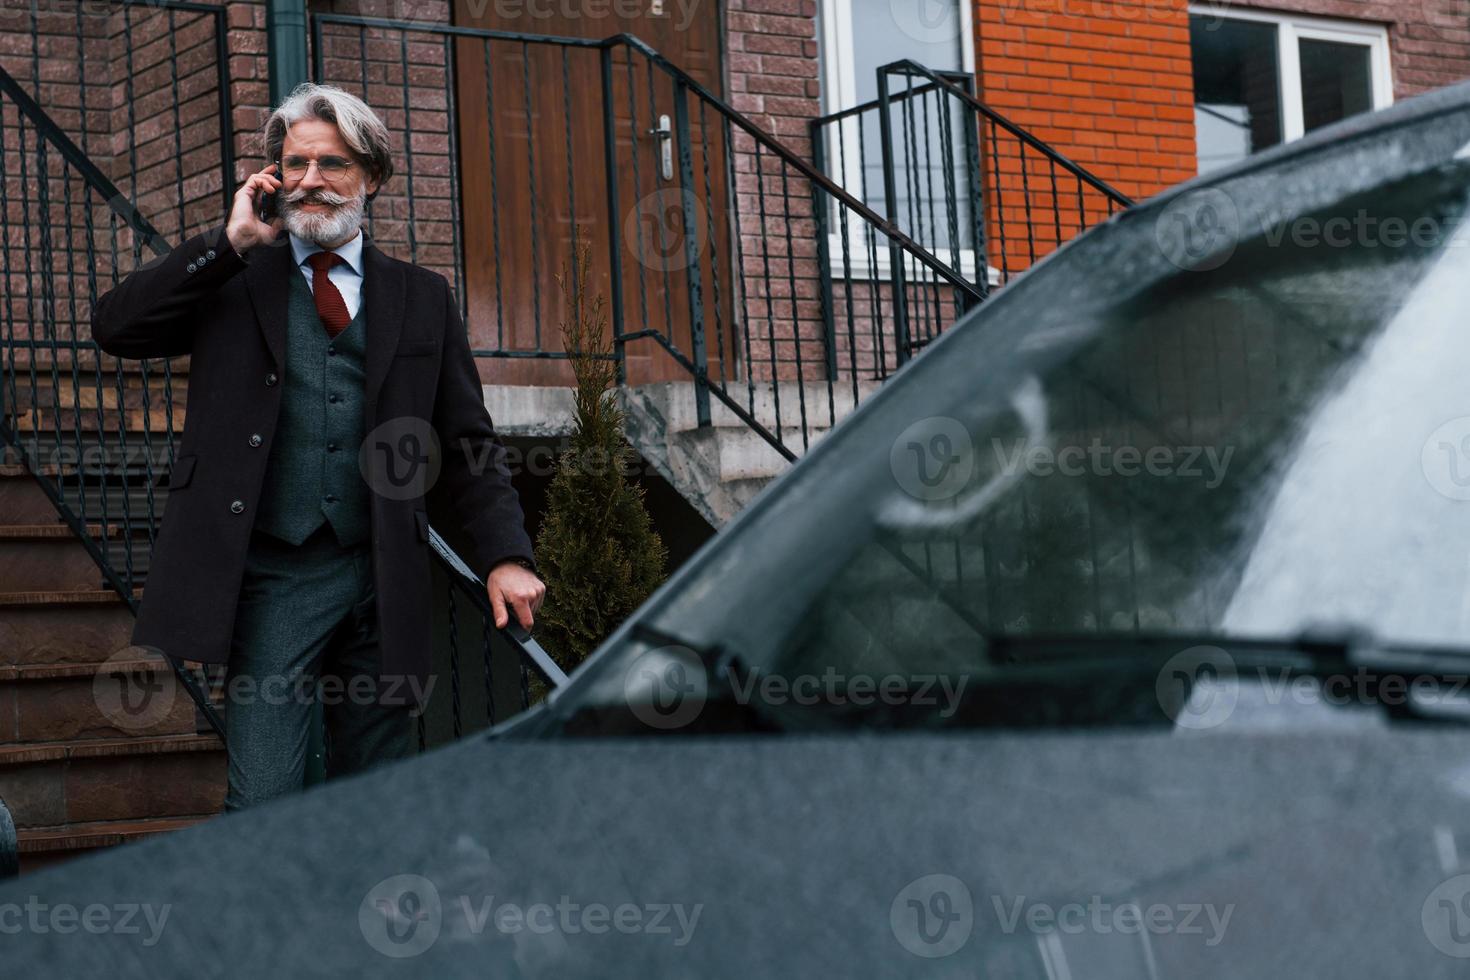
column 712, row 238
column 413, row 244
column 692, row 279
column 461, row 286
column 634, row 135
column 487, row 654
column 1026, row 199
column 1000, row 208
column 820, row 210
column 760, row 184
column 870, row 238
column 734, row 217
column 494, row 203
column 531, row 177
column 847, row 280
column 614, row 243
column 454, row 703
column 663, row 244
column 895, row 251
column 795, row 312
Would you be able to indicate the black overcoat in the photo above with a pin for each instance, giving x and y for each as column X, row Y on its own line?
column 229, row 314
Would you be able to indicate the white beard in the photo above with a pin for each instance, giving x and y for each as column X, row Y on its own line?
column 323, row 227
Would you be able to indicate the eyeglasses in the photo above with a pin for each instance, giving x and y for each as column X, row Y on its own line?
column 332, row 169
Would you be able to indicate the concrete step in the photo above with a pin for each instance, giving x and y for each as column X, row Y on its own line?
column 49, row 784
column 130, row 694
column 49, row 556
column 43, row 847
column 84, row 626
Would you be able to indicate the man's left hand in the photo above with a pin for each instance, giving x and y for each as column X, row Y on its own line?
column 512, row 586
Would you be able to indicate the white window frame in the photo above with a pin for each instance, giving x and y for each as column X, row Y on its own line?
column 1293, row 28
column 839, row 79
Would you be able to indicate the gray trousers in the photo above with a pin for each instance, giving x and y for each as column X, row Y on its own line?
column 305, row 628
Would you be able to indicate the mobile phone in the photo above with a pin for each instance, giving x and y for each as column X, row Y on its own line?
column 269, row 206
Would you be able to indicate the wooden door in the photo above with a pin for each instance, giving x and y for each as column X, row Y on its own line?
column 531, row 146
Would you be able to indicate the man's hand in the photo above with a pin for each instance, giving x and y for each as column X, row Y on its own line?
column 511, row 585
column 244, row 228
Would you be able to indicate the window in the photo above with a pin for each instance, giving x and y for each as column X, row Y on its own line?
column 1262, row 79
column 860, row 36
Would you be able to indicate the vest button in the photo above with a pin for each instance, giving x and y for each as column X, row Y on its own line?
column 332, row 351
column 332, row 399
column 331, row 447
column 255, row 439
column 270, row 379
column 330, row 498
column 237, row 506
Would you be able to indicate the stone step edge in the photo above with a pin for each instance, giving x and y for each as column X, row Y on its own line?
column 101, row 748
column 100, row 833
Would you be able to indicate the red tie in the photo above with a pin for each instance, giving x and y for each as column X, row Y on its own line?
column 329, row 304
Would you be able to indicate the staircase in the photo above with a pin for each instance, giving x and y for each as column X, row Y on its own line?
column 99, row 743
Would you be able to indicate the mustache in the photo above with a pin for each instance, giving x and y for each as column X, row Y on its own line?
column 317, row 197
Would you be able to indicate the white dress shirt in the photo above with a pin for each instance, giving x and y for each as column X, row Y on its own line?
column 345, row 275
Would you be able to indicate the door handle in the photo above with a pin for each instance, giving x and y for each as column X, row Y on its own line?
column 665, row 134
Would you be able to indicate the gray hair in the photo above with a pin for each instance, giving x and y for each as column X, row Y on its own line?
column 361, row 128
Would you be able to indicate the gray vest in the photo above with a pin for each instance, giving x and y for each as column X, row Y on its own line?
column 312, row 473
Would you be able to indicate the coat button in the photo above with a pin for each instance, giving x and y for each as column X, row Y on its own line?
column 237, row 506
column 209, row 254
column 255, row 439
column 191, row 266
column 270, row 379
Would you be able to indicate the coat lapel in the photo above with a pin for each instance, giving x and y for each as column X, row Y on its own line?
column 382, row 297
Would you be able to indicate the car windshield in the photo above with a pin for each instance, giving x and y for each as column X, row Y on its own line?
column 1161, row 431
column 1275, row 445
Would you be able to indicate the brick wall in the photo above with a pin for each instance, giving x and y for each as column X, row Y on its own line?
column 1108, row 84
column 772, row 77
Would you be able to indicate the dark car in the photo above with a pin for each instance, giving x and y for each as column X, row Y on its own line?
column 1123, row 634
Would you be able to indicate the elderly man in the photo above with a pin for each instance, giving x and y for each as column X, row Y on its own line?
column 334, row 410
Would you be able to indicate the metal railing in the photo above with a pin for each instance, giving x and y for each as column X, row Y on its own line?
column 708, row 227
column 98, row 432
column 978, row 191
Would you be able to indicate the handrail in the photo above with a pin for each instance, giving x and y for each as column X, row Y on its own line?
column 89, row 171
column 1097, row 183
column 513, row 632
column 768, row 142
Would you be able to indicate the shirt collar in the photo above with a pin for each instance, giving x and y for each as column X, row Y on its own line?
column 351, row 252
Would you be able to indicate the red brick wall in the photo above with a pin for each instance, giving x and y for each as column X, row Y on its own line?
column 1107, row 84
